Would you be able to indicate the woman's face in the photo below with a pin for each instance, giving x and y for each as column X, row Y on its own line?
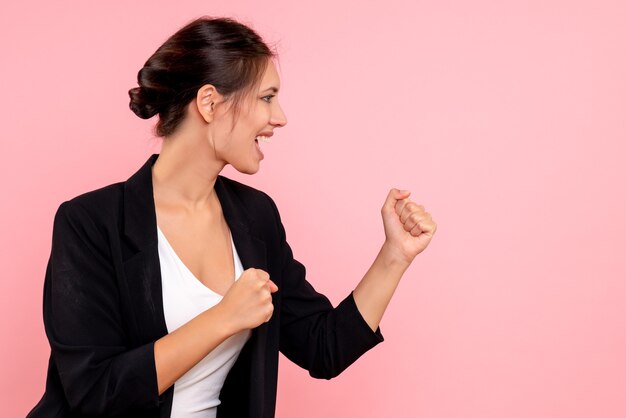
column 260, row 114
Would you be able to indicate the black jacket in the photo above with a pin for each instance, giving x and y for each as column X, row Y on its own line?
column 103, row 308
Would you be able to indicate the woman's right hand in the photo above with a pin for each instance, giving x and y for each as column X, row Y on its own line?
column 248, row 302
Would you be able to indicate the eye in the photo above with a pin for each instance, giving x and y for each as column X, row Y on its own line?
column 268, row 96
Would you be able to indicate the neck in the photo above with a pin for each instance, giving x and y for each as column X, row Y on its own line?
column 182, row 176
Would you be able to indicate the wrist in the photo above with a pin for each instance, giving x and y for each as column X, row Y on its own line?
column 392, row 258
column 225, row 321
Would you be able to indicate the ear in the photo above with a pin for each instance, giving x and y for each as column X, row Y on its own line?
column 207, row 99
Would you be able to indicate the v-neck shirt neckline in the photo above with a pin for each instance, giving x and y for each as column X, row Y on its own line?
column 185, row 271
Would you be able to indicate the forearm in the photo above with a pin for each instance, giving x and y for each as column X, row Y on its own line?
column 180, row 350
column 374, row 291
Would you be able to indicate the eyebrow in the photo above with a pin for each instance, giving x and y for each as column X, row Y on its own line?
column 274, row 89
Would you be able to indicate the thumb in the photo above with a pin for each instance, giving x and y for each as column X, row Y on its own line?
column 393, row 197
column 273, row 287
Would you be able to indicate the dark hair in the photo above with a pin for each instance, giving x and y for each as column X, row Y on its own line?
column 218, row 51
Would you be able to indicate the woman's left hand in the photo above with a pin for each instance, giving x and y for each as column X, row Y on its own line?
column 408, row 227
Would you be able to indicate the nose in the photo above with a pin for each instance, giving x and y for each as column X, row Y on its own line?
column 278, row 116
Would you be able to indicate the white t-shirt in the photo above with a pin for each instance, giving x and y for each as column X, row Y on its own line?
column 196, row 393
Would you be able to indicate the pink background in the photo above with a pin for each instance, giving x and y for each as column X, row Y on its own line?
column 506, row 120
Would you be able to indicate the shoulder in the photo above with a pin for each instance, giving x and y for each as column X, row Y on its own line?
column 257, row 204
column 100, row 205
column 250, row 197
column 243, row 191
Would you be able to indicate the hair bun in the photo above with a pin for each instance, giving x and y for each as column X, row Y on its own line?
column 140, row 105
column 218, row 51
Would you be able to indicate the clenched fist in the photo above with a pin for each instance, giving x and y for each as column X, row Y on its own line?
column 248, row 301
column 408, row 227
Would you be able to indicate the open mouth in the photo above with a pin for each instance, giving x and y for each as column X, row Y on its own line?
column 258, row 148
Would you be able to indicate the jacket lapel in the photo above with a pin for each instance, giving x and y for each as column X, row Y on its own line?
column 252, row 252
column 142, row 267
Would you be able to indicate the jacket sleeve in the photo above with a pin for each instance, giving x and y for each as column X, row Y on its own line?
column 100, row 374
column 318, row 337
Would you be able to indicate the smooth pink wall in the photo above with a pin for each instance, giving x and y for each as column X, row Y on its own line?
column 505, row 119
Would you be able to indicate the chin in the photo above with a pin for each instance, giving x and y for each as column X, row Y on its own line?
column 249, row 169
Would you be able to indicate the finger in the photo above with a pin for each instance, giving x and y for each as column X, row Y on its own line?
column 267, row 294
column 428, row 226
column 263, row 275
column 393, row 197
column 413, row 211
column 425, row 226
column 416, row 230
column 410, row 223
column 271, row 309
column 406, row 210
column 401, row 206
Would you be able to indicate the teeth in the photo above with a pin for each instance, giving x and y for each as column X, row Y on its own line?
column 263, row 138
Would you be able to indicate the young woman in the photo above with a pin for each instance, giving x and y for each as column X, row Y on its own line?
column 172, row 293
